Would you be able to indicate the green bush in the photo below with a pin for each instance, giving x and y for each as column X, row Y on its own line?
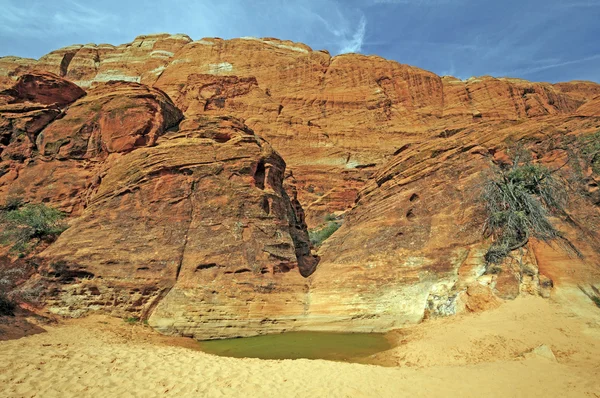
column 318, row 235
column 518, row 202
column 25, row 226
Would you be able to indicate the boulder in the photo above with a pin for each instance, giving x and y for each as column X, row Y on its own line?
column 114, row 117
column 196, row 232
column 42, row 88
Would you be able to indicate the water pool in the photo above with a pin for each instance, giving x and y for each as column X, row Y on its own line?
column 346, row 347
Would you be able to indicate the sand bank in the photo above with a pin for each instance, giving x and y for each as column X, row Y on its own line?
column 481, row 355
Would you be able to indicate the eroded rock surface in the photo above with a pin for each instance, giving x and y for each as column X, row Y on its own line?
column 160, row 209
column 184, row 215
column 412, row 246
column 53, row 154
column 42, row 88
column 114, row 117
column 26, row 109
column 332, row 118
column 194, row 225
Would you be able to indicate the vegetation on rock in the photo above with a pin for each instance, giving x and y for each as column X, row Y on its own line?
column 518, row 201
column 320, row 234
column 24, row 226
column 591, row 151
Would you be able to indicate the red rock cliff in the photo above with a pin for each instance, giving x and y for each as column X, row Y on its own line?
column 331, row 118
column 196, row 224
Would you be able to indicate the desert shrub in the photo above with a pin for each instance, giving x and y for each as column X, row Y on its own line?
column 330, row 217
column 14, row 282
column 9, row 276
column 27, row 225
column 318, row 235
column 596, row 300
column 12, row 203
column 518, row 201
column 590, row 149
column 584, row 153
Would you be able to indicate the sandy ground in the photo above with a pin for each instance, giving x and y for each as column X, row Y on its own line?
column 477, row 355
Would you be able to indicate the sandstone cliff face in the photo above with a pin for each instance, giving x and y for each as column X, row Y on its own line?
column 114, row 117
column 183, row 214
column 53, row 155
column 25, row 110
column 202, row 215
column 331, row 118
column 412, row 246
column 140, row 61
column 590, row 108
column 161, row 210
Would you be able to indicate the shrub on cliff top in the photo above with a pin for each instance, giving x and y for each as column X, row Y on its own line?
column 518, row 201
column 25, row 226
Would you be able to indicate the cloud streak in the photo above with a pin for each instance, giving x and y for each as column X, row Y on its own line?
column 528, row 71
column 580, row 4
column 35, row 19
column 423, row 3
column 355, row 44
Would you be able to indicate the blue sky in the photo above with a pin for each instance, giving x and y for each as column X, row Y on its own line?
column 540, row 40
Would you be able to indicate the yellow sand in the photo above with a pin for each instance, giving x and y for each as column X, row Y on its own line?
column 476, row 355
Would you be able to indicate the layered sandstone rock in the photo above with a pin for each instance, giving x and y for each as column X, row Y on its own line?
column 331, row 118
column 590, row 108
column 27, row 108
column 157, row 213
column 198, row 225
column 20, row 125
column 59, row 162
column 114, row 117
column 199, row 228
column 412, row 246
column 140, row 61
column 42, row 88
column 11, row 68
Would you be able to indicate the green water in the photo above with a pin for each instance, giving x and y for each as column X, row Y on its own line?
column 347, row 347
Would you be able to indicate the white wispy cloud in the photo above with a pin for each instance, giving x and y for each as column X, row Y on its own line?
column 580, row 4
column 354, row 45
column 37, row 18
column 81, row 16
column 419, row 2
column 535, row 69
column 332, row 24
column 335, row 24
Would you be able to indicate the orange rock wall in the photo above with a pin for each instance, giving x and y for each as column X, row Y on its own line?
column 199, row 226
column 331, row 118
